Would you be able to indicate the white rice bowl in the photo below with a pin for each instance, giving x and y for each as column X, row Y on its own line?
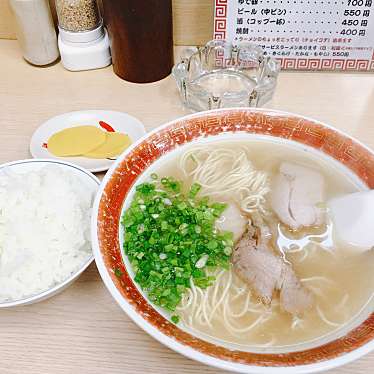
column 45, row 212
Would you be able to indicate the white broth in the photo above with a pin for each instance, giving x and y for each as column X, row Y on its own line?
column 341, row 280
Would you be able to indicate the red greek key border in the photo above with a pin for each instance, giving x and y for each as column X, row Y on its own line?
column 325, row 64
column 220, row 20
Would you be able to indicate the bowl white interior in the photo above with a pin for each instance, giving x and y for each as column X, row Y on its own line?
column 358, row 318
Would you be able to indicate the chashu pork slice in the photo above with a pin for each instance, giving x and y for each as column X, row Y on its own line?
column 265, row 272
column 296, row 194
column 258, row 266
column 294, row 297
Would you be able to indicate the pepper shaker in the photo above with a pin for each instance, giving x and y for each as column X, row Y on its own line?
column 82, row 40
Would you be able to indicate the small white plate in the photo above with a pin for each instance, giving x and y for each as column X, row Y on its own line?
column 119, row 122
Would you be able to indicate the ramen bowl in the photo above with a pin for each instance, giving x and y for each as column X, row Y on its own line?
column 351, row 341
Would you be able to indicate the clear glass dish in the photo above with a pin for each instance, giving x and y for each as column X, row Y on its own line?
column 220, row 75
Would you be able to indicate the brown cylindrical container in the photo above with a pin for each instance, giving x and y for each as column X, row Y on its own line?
column 141, row 36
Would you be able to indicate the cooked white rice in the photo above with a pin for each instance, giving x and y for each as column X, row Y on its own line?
column 44, row 229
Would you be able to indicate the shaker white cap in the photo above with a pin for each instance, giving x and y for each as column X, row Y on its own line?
column 85, row 55
column 82, row 36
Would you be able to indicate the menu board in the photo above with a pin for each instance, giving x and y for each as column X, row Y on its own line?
column 303, row 34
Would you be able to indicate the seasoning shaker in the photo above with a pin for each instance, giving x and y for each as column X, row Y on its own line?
column 141, row 37
column 35, row 31
column 83, row 41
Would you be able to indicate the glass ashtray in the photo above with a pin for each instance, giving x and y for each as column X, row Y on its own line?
column 222, row 75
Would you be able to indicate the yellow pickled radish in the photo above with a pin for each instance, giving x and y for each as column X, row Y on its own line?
column 114, row 145
column 76, row 141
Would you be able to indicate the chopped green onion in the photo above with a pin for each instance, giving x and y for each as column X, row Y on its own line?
column 195, row 188
column 171, row 237
column 117, row 272
column 175, row 318
column 202, row 261
column 227, row 251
